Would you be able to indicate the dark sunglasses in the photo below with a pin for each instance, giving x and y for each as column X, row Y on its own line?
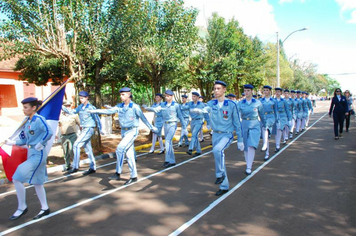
column 338, row 91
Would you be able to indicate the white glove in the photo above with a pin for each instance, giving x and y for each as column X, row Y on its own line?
column 144, row 106
column 39, row 146
column 240, row 146
column 195, row 110
column 107, row 106
column 10, row 142
column 185, row 132
column 154, row 130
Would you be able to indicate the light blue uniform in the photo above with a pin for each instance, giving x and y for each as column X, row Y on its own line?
column 270, row 112
column 307, row 107
column 158, row 120
column 88, row 122
column 283, row 113
column 33, row 170
column 223, row 121
column 196, row 124
column 251, row 125
column 171, row 113
column 185, row 114
column 299, row 113
column 129, row 121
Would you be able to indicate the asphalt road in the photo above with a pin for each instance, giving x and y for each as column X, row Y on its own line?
column 308, row 188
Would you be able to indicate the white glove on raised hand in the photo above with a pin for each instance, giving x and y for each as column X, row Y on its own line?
column 144, row 106
column 10, row 142
column 154, row 130
column 240, row 146
column 39, row 146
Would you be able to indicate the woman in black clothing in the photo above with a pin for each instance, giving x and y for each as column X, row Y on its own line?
column 339, row 108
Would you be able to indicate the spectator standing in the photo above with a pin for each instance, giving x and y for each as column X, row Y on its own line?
column 350, row 107
column 339, row 108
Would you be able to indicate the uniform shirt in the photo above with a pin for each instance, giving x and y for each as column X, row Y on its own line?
column 269, row 110
column 309, row 105
column 291, row 108
column 87, row 120
column 251, row 110
column 170, row 112
column 128, row 115
column 68, row 123
column 185, row 110
column 158, row 119
column 196, row 116
column 35, row 130
column 299, row 105
column 282, row 109
column 224, row 118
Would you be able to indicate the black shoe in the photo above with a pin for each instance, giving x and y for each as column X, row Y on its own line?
column 66, row 169
column 116, row 176
column 89, row 171
column 248, row 171
column 276, row 150
column 190, row 152
column 219, row 180
column 131, row 180
column 179, row 145
column 161, row 152
column 72, row 171
column 336, row 138
column 150, row 152
column 197, row 154
column 296, row 133
column 221, row 192
column 44, row 213
column 165, row 164
column 22, row 213
column 202, row 140
column 170, row 164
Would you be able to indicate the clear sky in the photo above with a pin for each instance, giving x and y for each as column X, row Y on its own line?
column 329, row 42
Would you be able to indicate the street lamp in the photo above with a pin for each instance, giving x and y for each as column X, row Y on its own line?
column 278, row 72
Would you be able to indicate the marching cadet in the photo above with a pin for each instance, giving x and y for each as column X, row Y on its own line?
column 287, row 130
column 283, row 117
column 196, row 124
column 310, row 108
column 185, row 114
column 36, row 132
column 158, row 123
column 232, row 97
column 294, row 113
column 201, row 133
column 171, row 113
column 129, row 115
column 299, row 106
column 306, row 107
column 251, row 109
column 270, row 110
column 88, row 122
column 224, row 119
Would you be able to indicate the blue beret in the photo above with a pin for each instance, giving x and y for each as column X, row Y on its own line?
column 267, row 86
column 306, row 93
column 184, row 96
column 286, row 90
column 196, row 94
column 159, row 94
column 243, row 94
column 255, row 96
column 28, row 100
column 303, row 92
column 83, row 94
column 220, row 82
column 292, row 91
column 248, row 86
column 124, row 90
column 298, row 91
column 232, row 95
column 201, row 97
column 169, row 92
column 278, row 88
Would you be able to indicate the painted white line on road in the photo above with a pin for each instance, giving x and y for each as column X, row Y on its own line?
column 223, row 197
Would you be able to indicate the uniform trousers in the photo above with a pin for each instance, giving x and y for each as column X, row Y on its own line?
column 67, row 145
column 83, row 140
column 338, row 122
column 195, row 126
column 169, row 131
column 126, row 147
column 184, row 137
column 158, row 136
column 221, row 141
